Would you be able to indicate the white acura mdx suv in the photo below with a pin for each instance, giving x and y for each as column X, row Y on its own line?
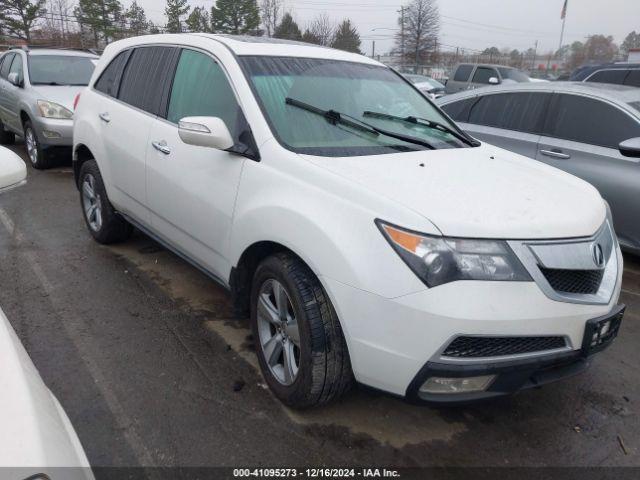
column 365, row 234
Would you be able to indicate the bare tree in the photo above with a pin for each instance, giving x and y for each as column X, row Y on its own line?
column 419, row 25
column 270, row 11
column 322, row 29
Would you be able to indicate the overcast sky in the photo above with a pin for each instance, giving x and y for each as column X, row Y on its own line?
column 468, row 23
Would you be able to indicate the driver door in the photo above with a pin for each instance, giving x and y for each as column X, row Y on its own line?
column 191, row 190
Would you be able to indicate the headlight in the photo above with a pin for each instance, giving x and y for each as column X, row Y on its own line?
column 438, row 260
column 53, row 110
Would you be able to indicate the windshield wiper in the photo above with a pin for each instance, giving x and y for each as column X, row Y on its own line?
column 427, row 123
column 334, row 117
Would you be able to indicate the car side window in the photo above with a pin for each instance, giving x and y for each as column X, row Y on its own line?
column 459, row 111
column 6, row 65
column 588, row 120
column 462, row 73
column 633, row 79
column 201, row 88
column 146, row 76
column 17, row 67
column 609, row 76
column 521, row 111
column 109, row 81
column 483, row 74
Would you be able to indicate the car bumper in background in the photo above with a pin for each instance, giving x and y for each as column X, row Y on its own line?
column 54, row 131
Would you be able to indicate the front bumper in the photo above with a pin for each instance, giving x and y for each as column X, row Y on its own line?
column 54, row 131
column 519, row 374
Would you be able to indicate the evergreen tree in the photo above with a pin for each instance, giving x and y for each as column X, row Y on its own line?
column 288, row 29
column 235, row 16
column 198, row 20
column 174, row 10
column 309, row 37
column 136, row 19
column 153, row 28
column 347, row 37
column 19, row 16
column 631, row 41
column 102, row 17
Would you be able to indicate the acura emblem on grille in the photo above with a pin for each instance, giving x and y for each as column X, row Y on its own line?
column 597, row 254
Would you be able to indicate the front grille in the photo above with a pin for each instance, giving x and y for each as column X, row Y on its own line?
column 573, row 281
column 474, row 347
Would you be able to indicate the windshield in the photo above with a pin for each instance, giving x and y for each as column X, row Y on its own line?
column 347, row 88
column 513, row 74
column 60, row 70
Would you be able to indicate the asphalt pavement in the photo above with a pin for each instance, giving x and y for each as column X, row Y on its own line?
column 141, row 350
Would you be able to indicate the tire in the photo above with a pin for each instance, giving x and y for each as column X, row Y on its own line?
column 38, row 158
column 321, row 370
column 6, row 137
column 103, row 222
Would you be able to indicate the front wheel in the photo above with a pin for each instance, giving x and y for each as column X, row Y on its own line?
column 37, row 156
column 299, row 342
column 103, row 222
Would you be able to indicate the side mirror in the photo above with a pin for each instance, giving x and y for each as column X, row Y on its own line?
column 205, row 132
column 14, row 79
column 630, row 148
column 494, row 81
column 13, row 171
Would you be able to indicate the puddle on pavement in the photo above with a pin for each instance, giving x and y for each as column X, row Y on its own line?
column 387, row 420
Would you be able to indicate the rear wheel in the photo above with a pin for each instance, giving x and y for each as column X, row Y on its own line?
column 37, row 156
column 299, row 342
column 6, row 137
column 103, row 222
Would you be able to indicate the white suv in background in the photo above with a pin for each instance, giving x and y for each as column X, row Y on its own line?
column 367, row 236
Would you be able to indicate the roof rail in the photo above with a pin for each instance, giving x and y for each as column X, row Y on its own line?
column 27, row 48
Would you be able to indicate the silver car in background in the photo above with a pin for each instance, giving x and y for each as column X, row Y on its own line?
column 37, row 90
column 591, row 130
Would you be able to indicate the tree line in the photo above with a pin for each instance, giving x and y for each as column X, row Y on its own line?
column 95, row 23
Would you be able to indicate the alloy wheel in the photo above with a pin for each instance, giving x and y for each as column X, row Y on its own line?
column 32, row 146
column 91, row 203
column 278, row 331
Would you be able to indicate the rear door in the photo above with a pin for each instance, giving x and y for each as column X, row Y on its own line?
column 511, row 120
column 581, row 136
column 459, row 80
column 5, row 113
column 133, row 92
column 13, row 92
column 192, row 190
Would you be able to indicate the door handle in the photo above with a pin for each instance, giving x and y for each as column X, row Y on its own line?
column 105, row 117
column 161, row 147
column 556, row 154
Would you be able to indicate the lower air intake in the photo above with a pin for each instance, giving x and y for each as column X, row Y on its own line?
column 481, row 347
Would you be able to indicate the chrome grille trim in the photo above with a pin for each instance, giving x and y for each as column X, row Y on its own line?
column 572, row 254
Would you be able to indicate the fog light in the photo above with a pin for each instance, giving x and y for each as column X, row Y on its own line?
column 438, row 385
column 51, row 134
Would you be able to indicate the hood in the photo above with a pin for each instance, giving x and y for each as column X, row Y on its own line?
column 61, row 94
column 482, row 192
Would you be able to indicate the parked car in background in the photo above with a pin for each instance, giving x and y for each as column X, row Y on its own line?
column 613, row 73
column 348, row 217
column 427, row 85
column 591, row 130
column 37, row 89
column 468, row 76
column 37, row 436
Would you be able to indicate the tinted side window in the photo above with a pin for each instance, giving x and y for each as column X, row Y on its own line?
column 16, row 67
column 522, row 112
column 200, row 88
column 462, row 73
column 109, row 81
column 633, row 78
column 145, row 77
column 483, row 75
column 4, row 71
column 591, row 121
column 609, row 76
column 459, row 111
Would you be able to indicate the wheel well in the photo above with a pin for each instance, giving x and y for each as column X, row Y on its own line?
column 80, row 155
column 24, row 116
column 242, row 274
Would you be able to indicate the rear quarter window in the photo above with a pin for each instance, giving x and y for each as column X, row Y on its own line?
column 459, row 111
column 109, row 80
